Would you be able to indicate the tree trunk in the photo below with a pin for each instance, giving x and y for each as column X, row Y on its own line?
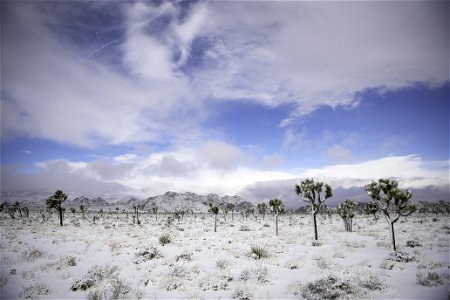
column 276, row 224
column 232, row 216
column 215, row 223
column 60, row 217
column 391, row 228
column 315, row 226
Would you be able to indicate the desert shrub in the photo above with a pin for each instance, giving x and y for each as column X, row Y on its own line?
column 429, row 278
column 105, row 281
column 412, row 244
column 430, row 265
column 164, row 239
column 323, row 263
column 222, row 263
column 184, row 257
column 316, row 244
column 258, row 252
column 371, row 282
column 259, row 275
column 330, row 287
column 242, row 293
column 36, row 291
column 148, row 253
column 32, row 255
column 244, row 228
column 215, row 282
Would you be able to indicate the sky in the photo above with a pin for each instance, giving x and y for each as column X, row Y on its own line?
column 227, row 97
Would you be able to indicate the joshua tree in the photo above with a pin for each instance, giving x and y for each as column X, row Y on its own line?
column 82, row 209
column 55, row 202
column 276, row 206
column 249, row 211
column 225, row 211
column 215, row 211
column 262, row 208
column 230, row 206
column 345, row 210
column 11, row 211
column 155, row 211
column 382, row 193
column 315, row 194
column 371, row 208
column 73, row 210
column 117, row 213
column 136, row 211
column 17, row 206
column 26, row 210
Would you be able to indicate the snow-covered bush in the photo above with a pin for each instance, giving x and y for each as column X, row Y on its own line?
column 148, row 253
column 242, row 293
column 430, row 278
column 331, row 287
column 36, row 291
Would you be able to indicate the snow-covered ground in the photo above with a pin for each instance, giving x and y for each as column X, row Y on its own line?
column 114, row 258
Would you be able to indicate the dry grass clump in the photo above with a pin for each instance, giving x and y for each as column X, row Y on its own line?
column 258, row 252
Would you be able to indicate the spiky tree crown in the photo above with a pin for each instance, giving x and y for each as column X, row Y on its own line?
column 56, row 200
column 230, row 206
column 214, row 209
column 311, row 191
column 276, row 205
column 371, row 208
column 262, row 208
column 386, row 190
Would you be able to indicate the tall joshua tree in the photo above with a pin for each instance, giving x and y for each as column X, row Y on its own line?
column 262, row 208
column 215, row 211
column 314, row 193
column 345, row 211
column 276, row 206
column 390, row 200
column 55, row 202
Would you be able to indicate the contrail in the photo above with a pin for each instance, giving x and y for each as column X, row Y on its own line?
column 116, row 40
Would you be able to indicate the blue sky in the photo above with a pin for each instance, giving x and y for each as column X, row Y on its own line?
column 223, row 97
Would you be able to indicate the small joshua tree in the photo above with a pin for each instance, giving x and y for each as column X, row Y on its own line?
column 371, row 208
column 314, row 193
column 230, row 206
column 55, row 202
column 73, row 210
column 26, row 210
column 390, row 199
column 82, row 209
column 276, row 206
column 345, row 211
column 17, row 206
column 136, row 211
column 215, row 211
column 262, row 208
column 155, row 211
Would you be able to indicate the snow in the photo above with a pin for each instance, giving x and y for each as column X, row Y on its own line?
column 44, row 260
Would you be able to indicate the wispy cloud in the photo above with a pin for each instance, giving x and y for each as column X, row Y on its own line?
column 166, row 61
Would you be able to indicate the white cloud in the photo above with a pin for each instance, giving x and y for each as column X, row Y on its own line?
column 220, row 155
column 339, row 153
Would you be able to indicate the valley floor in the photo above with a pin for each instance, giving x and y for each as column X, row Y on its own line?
column 115, row 258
